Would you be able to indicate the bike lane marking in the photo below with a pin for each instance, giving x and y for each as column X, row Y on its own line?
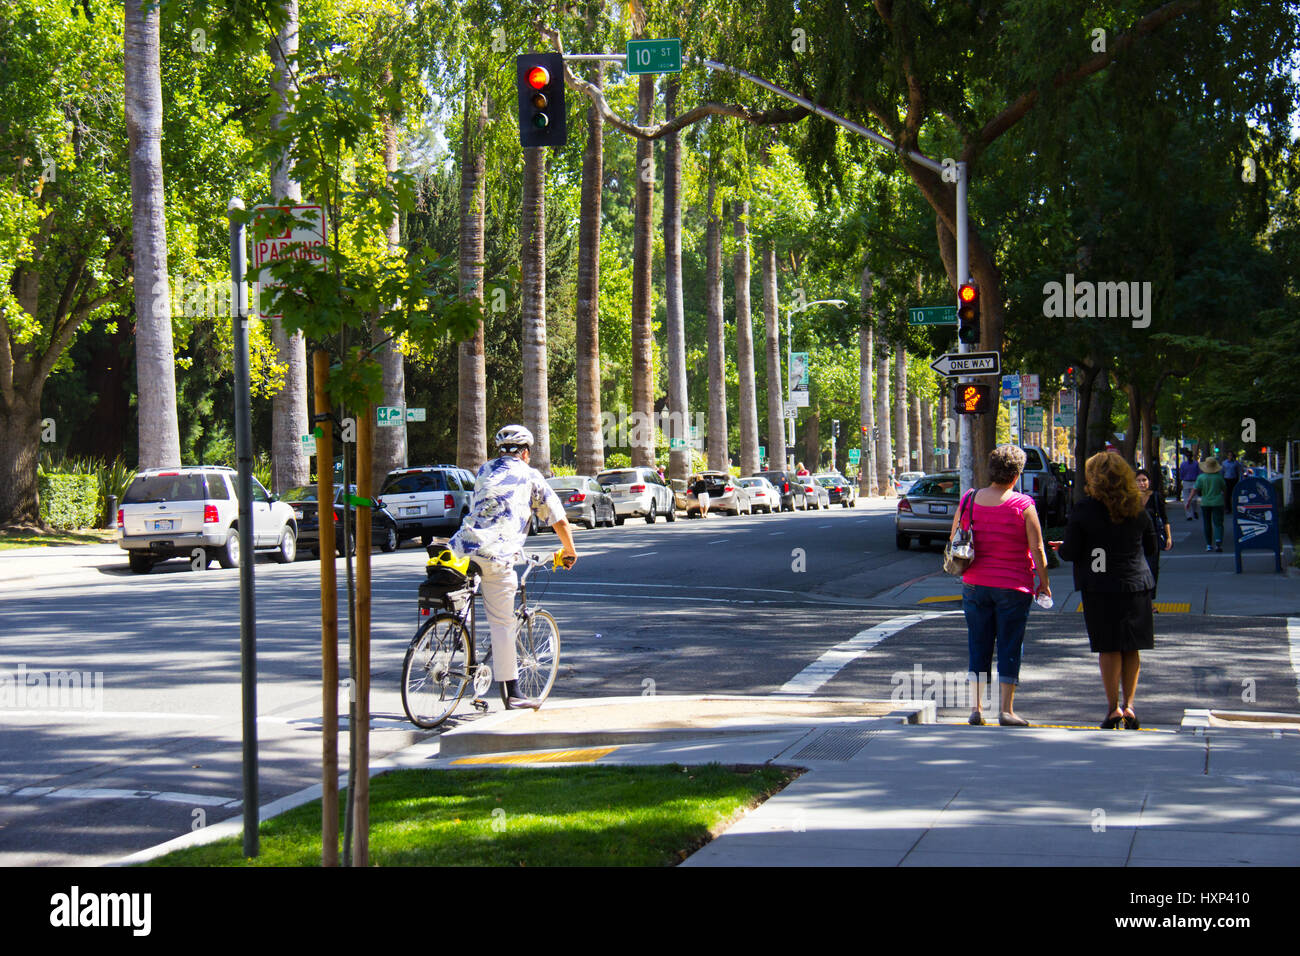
column 1293, row 638
column 821, row 671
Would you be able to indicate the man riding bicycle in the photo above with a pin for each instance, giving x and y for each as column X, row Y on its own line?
column 507, row 493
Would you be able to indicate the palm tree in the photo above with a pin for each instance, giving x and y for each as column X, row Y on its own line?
column 748, row 401
column 160, row 444
column 903, row 435
column 719, row 460
column 642, row 434
column 679, row 459
column 866, row 408
column 591, row 446
column 775, row 390
column 471, row 434
column 532, row 238
column 389, row 444
column 884, row 443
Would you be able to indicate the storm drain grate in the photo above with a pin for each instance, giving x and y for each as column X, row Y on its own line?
column 837, row 745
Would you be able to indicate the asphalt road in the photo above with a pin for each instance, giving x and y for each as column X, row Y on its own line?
column 728, row 605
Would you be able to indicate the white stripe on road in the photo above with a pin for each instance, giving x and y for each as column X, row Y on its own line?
column 82, row 793
column 1293, row 637
column 102, row 714
column 646, row 555
column 819, row 672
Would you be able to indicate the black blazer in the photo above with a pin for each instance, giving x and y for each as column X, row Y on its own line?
column 1126, row 546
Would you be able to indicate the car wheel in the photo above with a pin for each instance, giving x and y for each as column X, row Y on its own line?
column 140, row 563
column 650, row 515
column 228, row 556
column 924, row 542
column 288, row 548
column 902, row 541
column 426, row 540
column 315, row 553
column 391, row 542
column 672, row 512
column 619, row 519
column 352, row 542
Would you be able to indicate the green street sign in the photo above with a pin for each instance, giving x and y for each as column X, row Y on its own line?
column 308, row 444
column 654, row 56
column 1033, row 418
column 932, row 315
column 762, row 452
column 389, row 416
column 855, row 455
column 677, row 444
column 415, row 414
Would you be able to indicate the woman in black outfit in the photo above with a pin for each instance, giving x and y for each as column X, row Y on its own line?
column 1111, row 540
column 1154, row 501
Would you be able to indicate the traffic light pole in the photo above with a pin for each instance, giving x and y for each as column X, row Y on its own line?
column 966, row 461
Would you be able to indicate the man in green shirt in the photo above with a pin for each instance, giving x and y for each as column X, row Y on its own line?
column 1213, row 492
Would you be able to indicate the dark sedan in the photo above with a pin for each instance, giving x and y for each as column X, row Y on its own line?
column 926, row 511
column 302, row 499
column 790, row 487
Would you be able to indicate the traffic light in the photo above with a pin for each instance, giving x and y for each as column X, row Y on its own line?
column 1069, row 378
column 864, row 431
column 539, row 79
column 971, row 399
column 835, row 427
column 968, row 313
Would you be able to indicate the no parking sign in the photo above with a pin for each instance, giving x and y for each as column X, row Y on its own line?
column 1255, row 519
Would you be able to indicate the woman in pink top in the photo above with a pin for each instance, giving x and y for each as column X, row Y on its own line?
column 998, row 587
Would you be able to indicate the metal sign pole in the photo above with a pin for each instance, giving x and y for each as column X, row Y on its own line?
column 967, row 460
column 244, row 454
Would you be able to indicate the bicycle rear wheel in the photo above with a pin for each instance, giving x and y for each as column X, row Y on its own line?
column 538, row 648
column 436, row 670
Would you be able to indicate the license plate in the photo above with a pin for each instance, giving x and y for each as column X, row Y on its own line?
column 411, row 511
column 938, row 509
column 162, row 525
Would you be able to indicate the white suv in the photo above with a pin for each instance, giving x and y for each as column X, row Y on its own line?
column 194, row 513
column 428, row 501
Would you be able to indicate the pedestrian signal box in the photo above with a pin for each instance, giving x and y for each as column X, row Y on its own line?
column 539, row 80
column 971, row 399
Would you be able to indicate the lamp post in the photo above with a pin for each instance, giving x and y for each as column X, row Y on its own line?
column 789, row 347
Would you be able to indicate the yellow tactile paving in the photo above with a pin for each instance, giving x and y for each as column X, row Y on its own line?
column 935, row 599
column 546, row 756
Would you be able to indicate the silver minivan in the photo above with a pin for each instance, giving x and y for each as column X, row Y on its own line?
column 638, row 492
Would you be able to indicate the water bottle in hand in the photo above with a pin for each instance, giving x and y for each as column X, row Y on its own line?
column 1043, row 600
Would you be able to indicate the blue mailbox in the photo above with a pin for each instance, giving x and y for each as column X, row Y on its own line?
column 1255, row 519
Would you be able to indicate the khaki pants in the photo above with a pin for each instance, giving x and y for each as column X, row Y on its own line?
column 498, row 590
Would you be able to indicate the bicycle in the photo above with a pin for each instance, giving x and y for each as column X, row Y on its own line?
column 443, row 659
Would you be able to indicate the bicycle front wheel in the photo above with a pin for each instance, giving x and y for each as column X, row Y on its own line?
column 436, row 670
column 538, row 649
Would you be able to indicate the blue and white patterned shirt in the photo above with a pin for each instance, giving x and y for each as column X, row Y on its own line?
column 507, row 492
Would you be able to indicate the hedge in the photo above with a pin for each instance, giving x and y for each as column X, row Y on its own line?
column 69, row 501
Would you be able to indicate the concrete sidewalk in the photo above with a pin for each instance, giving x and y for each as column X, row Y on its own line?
column 882, row 791
column 58, row 563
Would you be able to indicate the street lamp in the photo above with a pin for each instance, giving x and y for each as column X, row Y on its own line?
column 789, row 345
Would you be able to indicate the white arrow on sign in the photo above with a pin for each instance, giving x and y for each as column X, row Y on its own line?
column 952, row 365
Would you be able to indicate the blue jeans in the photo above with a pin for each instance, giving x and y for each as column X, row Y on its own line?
column 995, row 614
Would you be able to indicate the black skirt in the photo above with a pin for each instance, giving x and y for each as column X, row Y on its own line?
column 1118, row 621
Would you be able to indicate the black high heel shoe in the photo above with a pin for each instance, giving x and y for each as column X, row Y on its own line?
column 1131, row 723
column 1110, row 723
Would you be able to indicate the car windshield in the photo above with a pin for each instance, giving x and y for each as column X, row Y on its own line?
column 828, row 481
column 1033, row 461
column 147, row 489
column 936, row 486
column 617, row 478
column 413, row 482
column 301, row 493
column 568, row 484
column 752, row 482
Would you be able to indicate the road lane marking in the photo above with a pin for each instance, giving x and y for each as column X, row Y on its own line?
column 821, row 671
column 646, row 555
column 1293, row 638
column 104, row 793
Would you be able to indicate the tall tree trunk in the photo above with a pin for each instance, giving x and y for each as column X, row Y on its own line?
column 389, row 444
column 775, row 390
column 642, row 432
column 591, row 445
column 748, row 402
column 20, row 443
column 160, row 443
column 679, row 459
column 884, row 443
column 812, row 441
column 532, row 232
column 866, row 407
column 718, row 455
column 471, row 426
column 290, row 466
column 927, row 435
column 917, row 432
column 903, row 435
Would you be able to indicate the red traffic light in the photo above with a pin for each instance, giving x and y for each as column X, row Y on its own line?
column 539, row 78
column 968, row 292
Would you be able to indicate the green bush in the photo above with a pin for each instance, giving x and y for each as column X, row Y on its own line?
column 618, row 460
column 69, row 501
column 111, row 478
column 558, row 471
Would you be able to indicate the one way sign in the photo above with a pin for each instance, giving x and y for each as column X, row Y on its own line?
column 953, row 365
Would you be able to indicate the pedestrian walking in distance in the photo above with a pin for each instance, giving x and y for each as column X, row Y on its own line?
column 1231, row 474
column 1187, row 475
column 998, row 587
column 1154, row 502
column 1112, row 542
column 1213, row 492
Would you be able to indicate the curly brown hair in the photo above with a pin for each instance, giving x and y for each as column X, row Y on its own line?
column 1110, row 480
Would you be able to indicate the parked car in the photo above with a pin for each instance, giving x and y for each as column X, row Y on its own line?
column 904, row 481
column 726, row 493
column 1041, row 482
column 840, row 489
column 302, row 499
column 681, row 494
column 763, row 495
column 790, row 487
column 428, row 500
column 926, row 511
column 193, row 512
column 585, row 502
column 637, row 492
column 818, row 496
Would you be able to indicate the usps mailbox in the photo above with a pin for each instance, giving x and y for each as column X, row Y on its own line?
column 1255, row 519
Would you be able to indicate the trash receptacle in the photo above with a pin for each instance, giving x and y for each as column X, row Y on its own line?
column 110, row 512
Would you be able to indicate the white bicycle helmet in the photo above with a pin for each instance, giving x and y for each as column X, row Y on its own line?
column 513, row 438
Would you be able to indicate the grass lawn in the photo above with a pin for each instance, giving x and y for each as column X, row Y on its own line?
column 30, row 537
column 534, row 816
